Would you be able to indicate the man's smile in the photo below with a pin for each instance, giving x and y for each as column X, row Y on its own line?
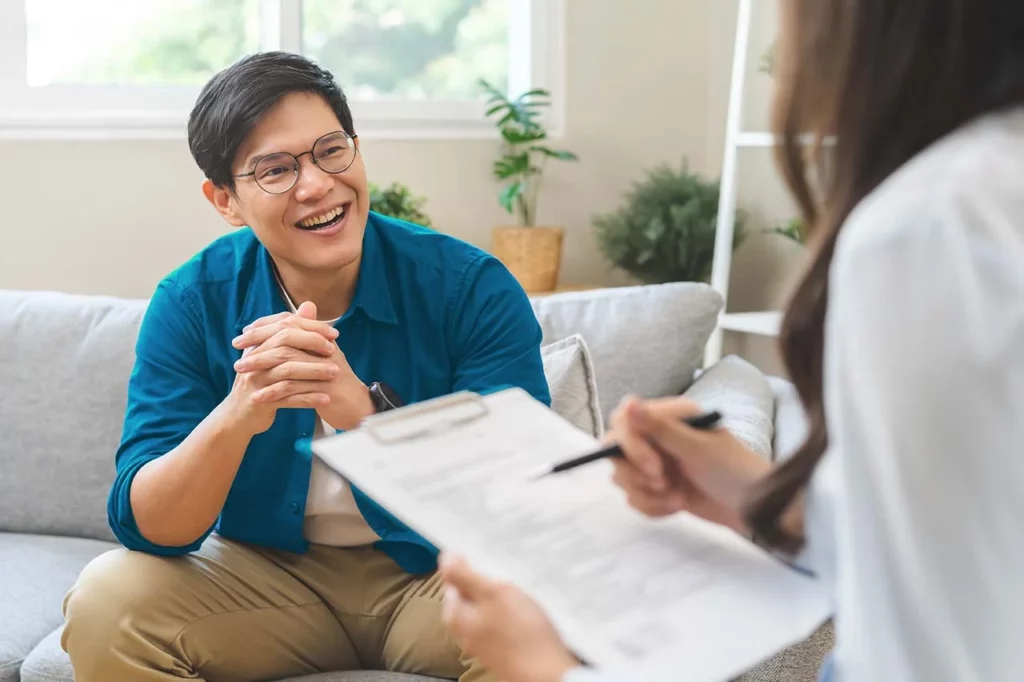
column 326, row 220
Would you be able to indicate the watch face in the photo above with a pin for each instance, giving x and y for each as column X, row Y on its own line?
column 386, row 397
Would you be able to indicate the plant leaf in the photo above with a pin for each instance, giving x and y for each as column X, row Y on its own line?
column 520, row 162
column 510, row 165
column 555, row 154
column 522, row 136
column 493, row 91
column 506, row 119
column 503, row 169
column 655, row 229
column 509, row 195
column 536, row 92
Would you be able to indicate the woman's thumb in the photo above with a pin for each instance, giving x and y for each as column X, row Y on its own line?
column 307, row 310
column 455, row 571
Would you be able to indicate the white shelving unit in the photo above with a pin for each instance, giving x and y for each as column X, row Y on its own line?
column 764, row 323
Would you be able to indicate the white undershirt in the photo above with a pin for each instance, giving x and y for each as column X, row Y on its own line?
column 915, row 516
column 332, row 516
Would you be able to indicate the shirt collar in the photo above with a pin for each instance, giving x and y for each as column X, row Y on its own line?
column 372, row 294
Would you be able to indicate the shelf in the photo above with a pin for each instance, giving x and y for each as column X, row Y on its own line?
column 755, row 140
column 762, row 323
column 766, row 140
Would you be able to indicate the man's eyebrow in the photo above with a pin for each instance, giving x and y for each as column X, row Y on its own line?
column 251, row 161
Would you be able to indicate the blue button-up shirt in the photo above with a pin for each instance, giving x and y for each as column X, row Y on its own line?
column 430, row 315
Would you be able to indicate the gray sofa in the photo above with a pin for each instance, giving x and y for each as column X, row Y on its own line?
column 64, row 365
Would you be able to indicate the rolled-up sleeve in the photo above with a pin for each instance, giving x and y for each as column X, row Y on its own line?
column 169, row 394
column 495, row 335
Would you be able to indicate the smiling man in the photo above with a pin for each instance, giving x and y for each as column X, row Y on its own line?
column 245, row 557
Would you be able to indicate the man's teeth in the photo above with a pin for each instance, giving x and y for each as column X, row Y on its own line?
column 322, row 219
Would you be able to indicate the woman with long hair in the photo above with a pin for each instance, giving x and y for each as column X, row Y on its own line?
column 905, row 340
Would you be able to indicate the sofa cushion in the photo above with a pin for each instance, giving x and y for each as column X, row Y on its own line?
column 35, row 574
column 63, row 387
column 48, row 662
column 569, row 370
column 644, row 340
column 743, row 395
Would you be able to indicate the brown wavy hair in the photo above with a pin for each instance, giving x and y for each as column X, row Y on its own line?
column 864, row 86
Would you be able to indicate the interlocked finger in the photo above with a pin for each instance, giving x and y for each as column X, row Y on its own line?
column 301, row 371
column 257, row 333
column 298, row 339
column 288, row 388
column 270, row 358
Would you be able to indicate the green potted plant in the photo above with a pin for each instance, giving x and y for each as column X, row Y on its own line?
column 397, row 201
column 532, row 252
column 665, row 229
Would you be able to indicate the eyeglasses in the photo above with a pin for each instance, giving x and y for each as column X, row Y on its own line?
column 277, row 173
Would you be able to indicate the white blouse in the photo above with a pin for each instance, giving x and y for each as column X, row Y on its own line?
column 915, row 517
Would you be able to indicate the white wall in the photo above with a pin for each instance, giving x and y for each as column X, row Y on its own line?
column 113, row 217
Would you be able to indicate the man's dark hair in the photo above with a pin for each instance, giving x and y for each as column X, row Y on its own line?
column 235, row 99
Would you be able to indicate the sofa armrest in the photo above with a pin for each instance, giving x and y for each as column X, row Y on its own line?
column 742, row 393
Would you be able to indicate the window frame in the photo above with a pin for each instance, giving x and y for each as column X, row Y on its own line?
column 157, row 112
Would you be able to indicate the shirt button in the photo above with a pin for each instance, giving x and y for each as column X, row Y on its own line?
column 295, row 507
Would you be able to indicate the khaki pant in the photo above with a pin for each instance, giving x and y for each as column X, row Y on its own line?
column 236, row 612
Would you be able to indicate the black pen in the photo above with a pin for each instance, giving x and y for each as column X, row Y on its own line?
column 703, row 422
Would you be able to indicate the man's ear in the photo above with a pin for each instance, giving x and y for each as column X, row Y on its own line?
column 224, row 201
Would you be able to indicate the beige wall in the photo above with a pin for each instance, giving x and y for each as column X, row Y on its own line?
column 645, row 85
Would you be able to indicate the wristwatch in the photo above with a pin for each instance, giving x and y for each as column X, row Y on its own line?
column 383, row 397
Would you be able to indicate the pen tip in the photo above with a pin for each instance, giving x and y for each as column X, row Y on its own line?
column 538, row 474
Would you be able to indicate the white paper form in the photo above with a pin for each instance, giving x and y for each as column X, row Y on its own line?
column 674, row 598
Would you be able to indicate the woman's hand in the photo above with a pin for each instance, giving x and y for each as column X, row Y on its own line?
column 670, row 467
column 502, row 627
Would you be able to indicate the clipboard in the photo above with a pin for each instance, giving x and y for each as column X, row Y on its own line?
column 420, row 420
column 675, row 598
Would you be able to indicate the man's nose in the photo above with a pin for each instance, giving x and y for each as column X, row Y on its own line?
column 312, row 183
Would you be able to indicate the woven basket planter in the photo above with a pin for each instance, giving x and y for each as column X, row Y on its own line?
column 532, row 254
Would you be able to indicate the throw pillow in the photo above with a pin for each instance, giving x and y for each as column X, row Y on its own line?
column 571, row 379
column 745, row 398
column 644, row 340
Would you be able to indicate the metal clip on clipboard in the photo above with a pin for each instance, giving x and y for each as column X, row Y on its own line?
column 422, row 420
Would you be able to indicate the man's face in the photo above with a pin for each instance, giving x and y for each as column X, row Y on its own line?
column 282, row 222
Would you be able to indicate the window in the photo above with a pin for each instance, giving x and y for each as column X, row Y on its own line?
column 446, row 46
column 130, row 67
column 132, row 43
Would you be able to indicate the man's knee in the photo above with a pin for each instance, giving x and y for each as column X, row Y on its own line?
column 114, row 584
column 118, row 595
